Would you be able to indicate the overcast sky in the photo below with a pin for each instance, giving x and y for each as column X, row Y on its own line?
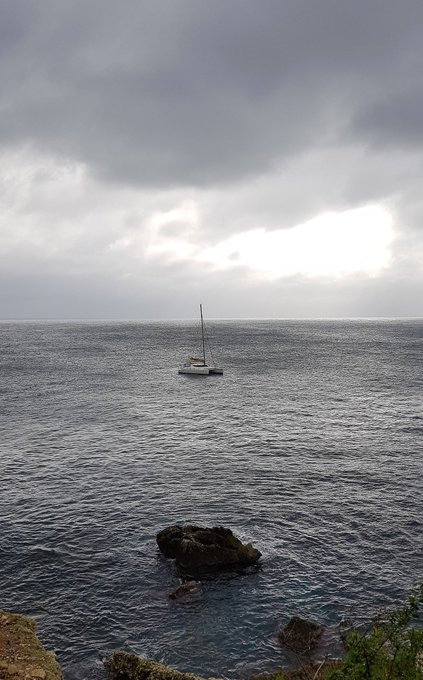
column 262, row 157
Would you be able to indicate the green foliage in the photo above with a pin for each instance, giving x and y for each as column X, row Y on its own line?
column 390, row 650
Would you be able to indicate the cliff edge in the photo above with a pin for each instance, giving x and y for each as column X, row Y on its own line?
column 22, row 656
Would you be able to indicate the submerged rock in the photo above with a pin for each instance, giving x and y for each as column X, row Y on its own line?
column 202, row 548
column 186, row 591
column 21, row 653
column 300, row 636
column 126, row 666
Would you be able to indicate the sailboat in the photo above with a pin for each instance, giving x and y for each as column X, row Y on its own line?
column 198, row 365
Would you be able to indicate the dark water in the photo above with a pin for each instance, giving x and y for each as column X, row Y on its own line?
column 309, row 446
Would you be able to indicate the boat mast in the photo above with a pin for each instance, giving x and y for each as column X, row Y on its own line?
column 202, row 334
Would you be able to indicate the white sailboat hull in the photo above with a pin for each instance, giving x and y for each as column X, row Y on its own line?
column 201, row 370
column 194, row 370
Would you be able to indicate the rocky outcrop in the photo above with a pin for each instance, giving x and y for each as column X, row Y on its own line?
column 300, row 636
column 126, row 666
column 22, row 656
column 198, row 549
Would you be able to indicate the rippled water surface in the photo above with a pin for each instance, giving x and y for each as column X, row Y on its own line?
column 309, row 446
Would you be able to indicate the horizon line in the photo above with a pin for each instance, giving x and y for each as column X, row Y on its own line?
column 54, row 319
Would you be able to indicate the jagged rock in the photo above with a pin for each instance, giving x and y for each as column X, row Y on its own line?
column 202, row 549
column 300, row 635
column 126, row 666
column 186, row 590
column 21, row 653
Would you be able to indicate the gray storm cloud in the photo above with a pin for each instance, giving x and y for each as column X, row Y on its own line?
column 261, row 114
column 174, row 93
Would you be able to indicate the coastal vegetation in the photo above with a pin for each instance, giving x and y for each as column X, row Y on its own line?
column 390, row 649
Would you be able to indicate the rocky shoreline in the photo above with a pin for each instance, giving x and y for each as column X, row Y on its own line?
column 196, row 550
column 23, row 657
column 126, row 666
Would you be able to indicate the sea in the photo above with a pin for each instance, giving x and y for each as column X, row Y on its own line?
column 309, row 447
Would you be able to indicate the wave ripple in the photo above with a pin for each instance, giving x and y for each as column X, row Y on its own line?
column 309, row 447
